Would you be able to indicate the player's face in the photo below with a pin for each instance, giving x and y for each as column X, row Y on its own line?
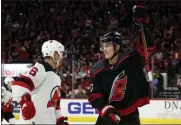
column 108, row 50
column 10, row 84
column 58, row 57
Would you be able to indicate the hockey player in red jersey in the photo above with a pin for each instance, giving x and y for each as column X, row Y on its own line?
column 120, row 82
column 38, row 90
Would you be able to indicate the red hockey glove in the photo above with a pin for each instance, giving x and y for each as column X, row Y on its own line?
column 62, row 121
column 8, row 107
column 109, row 115
column 27, row 107
column 140, row 14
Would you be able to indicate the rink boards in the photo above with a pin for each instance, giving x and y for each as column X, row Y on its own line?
column 157, row 112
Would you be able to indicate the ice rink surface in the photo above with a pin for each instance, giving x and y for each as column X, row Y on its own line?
column 80, row 123
column 76, row 123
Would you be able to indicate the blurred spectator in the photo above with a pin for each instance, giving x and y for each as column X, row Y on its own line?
column 80, row 73
column 68, row 79
column 158, row 58
column 158, row 82
column 159, row 55
column 85, row 84
column 80, row 92
column 67, row 91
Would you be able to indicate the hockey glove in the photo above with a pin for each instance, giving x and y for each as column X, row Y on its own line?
column 140, row 14
column 109, row 115
column 62, row 121
column 8, row 107
column 27, row 107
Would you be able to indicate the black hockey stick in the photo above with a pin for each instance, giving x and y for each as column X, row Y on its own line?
column 150, row 76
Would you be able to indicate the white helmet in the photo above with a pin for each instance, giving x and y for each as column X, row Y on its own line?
column 8, row 79
column 51, row 46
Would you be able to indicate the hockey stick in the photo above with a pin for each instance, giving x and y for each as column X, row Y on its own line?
column 150, row 76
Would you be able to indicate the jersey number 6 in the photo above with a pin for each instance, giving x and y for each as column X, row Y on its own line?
column 33, row 71
column 118, row 88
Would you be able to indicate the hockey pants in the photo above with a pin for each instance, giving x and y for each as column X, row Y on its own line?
column 6, row 115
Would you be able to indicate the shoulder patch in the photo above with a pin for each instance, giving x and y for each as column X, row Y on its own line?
column 99, row 66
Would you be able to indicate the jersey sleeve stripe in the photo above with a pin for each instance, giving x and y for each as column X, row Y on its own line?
column 122, row 60
column 94, row 95
column 92, row 98
column 153, row 48
column 150, row 48
column 141, row 49
column 141, row 52
column 24, row 82
column 140, row 102
column 93, row 75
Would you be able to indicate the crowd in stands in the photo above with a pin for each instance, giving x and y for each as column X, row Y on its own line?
column 79, row 25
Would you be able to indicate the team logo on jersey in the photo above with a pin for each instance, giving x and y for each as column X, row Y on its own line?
column 54, row 97
column 118, row 87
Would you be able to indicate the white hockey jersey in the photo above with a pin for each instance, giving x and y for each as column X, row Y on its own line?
column 43, row 84
column 6, row 96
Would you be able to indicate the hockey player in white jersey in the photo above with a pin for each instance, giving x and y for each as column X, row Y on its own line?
column 8, row 81
column 38, row 91
column 6, row 103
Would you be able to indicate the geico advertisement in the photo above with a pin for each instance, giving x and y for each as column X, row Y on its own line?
column 156, row 109
column 77, row 107
column 14, row 70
